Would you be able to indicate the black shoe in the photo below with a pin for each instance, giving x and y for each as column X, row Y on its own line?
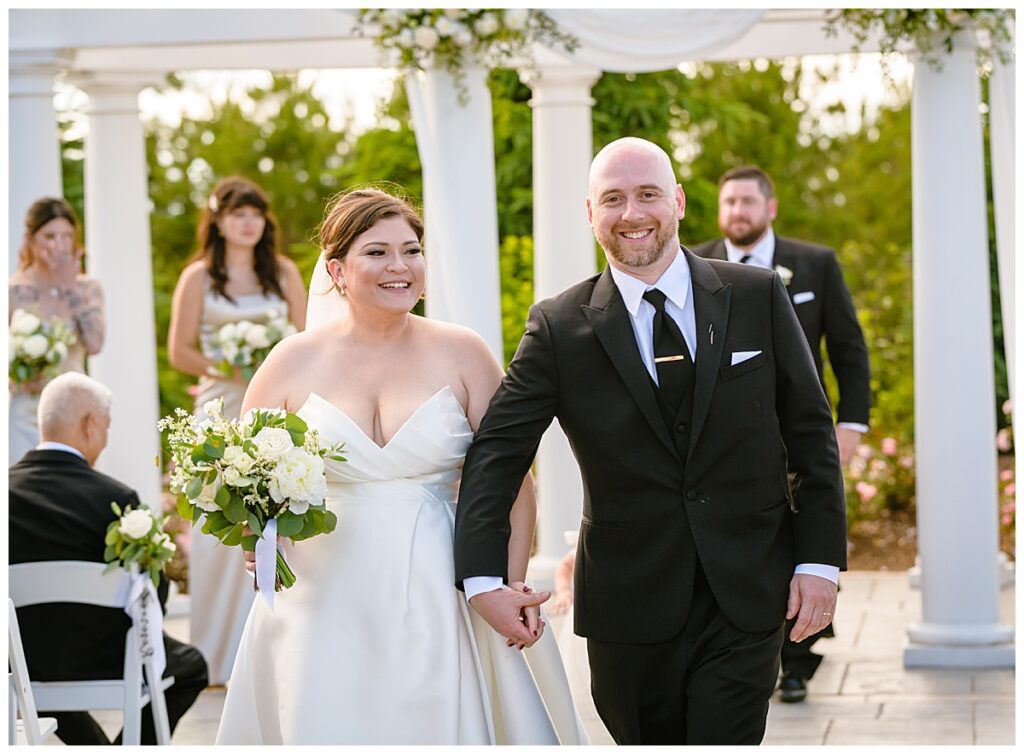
column 792, row 688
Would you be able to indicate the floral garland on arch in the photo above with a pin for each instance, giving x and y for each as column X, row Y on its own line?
column 452, row 38
column 930, row 30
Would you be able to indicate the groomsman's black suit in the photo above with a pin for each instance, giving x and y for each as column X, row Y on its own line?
column 60, row 510
column 690, row 529
column 828, row 314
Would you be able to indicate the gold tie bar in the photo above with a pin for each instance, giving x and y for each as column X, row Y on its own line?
column 663, row 359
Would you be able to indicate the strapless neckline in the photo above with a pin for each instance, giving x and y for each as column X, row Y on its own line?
column 446, row 390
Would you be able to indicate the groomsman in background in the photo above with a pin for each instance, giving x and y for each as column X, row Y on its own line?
column 746, row 208
column 60, row 510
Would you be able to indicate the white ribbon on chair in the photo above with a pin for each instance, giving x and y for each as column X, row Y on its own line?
column 266, row 562
column 139, row 599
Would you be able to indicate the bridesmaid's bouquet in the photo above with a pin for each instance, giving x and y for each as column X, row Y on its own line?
column 245, row 344
column 36, row 347
column 138, row 537
column 265, row 470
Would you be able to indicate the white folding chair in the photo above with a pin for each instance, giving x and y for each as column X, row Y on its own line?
column 24, row 726
column 85, row 583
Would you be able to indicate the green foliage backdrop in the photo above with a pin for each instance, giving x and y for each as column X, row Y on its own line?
column 850, row 191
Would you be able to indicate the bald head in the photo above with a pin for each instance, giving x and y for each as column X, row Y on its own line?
column 634, row 205
column 75, row 410
column 627, row 148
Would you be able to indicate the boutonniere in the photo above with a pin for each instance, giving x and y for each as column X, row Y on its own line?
column 785, row 273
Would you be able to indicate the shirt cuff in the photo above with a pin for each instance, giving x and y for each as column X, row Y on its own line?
column 862, row 428
column 829, row 572
column 475, row 585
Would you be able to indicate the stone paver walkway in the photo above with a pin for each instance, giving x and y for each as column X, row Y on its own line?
column 861, row 694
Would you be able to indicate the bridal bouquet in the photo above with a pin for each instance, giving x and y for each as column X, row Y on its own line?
column 36, row 347
column 245, row 344
column 265, row 470
column 137, row 536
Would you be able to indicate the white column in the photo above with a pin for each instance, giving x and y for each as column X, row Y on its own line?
column 1002, row 120
column 117, row 208
column 954, row 378
column 34, row 146
column 563, row 254
column 456, row 147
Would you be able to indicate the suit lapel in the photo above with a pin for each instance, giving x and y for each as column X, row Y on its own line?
column 717, row 251
column 611, row 324
column 711, row 301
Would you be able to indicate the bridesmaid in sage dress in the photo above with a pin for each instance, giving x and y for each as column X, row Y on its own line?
column 236, row 275
column 49, row 282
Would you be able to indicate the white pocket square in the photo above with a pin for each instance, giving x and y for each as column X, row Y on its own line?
column 803, row 297
column 738, row 357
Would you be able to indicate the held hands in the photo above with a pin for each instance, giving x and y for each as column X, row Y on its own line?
column 848, row 440
column 514, row 612
column 814, row 600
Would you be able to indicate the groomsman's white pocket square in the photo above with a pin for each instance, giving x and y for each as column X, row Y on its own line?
column 738, row 357
column 803, row 297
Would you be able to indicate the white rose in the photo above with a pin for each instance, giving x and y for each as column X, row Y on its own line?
column 463, row 36
column 35, row 346
column 486, row 25
column 58, row 353
column 445, row 26
column 238, row 459
column 405, row 38
column 207, row 498
column 273, row 442
column 298, row 478
column 229, row 351
column 24, row 323
column 242, row 327
column 394, row 16
column 426, row 37
column 227, row 332
column 136, row 524
column 233, row 478
column 13, row 347
column 213, row 408
column 257, row 337
column 516, row 18
column 785, row 274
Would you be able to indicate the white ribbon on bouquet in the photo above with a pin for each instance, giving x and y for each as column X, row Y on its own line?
column 266, row 562
column 139, row 599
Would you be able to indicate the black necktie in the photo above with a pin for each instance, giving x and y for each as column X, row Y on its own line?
column 745, row 259
column 670, row 352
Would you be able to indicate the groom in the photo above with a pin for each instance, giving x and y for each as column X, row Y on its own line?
column 689, row 397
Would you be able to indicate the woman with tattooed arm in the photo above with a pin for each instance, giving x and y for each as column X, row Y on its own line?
column 49, row 283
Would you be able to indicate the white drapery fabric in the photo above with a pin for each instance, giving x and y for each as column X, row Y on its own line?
column 456, row 146
column 650, row 40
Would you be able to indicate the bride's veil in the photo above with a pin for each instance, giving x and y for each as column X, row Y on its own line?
column 325, row 303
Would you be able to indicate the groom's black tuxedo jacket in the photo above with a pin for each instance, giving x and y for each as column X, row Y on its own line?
column 60, row 510
column 648, row 509
column 825, row 309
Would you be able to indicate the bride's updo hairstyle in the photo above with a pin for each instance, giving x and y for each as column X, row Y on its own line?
column 351, row 214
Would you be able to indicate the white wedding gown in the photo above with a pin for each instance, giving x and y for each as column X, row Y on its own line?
column 373, row 644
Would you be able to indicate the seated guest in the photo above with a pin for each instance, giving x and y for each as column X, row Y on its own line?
column 60, row 510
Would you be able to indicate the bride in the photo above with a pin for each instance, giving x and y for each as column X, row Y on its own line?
column 374, row 644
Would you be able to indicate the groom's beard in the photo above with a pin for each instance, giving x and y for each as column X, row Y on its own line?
column 663, row 240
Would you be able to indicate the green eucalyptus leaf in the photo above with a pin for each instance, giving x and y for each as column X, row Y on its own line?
column 288, row 524
column 234, row 537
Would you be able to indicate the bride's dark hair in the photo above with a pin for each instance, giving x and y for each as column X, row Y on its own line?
column 354, row 212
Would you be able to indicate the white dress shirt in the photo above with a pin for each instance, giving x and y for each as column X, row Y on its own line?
column 677, row 286
column 762, row 254
column 51, row 445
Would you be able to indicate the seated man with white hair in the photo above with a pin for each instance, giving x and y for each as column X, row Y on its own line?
column 60, row 510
